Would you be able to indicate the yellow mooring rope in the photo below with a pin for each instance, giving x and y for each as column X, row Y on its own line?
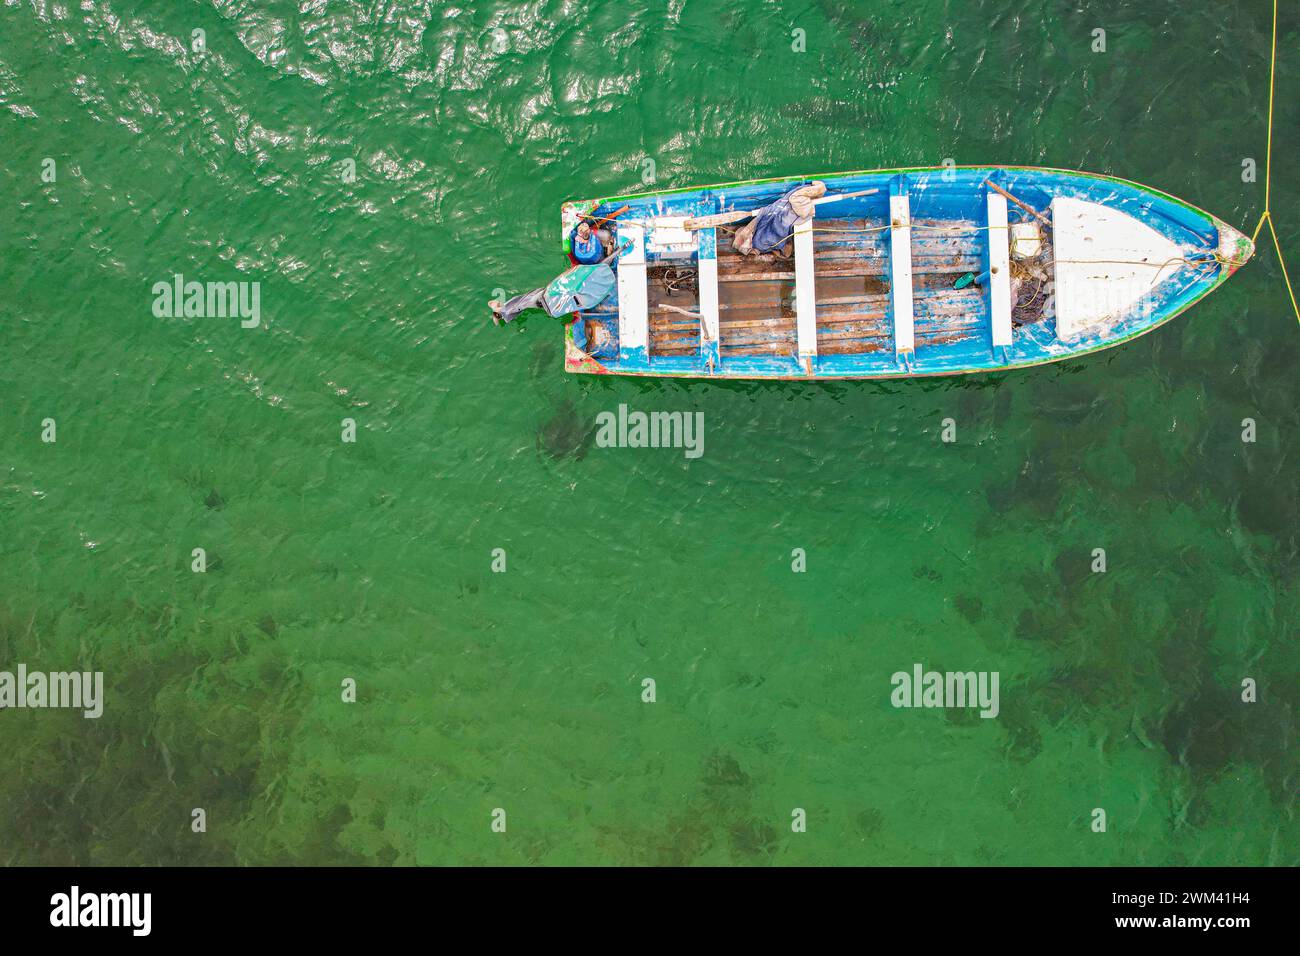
column 1267, row 215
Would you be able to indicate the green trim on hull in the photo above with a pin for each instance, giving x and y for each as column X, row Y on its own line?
column 895, row 171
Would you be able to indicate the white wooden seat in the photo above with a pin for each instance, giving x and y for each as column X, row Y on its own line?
column 805, row 291
column 900, row 266
column 999, row 242
column 633, row 294
column 708, row 278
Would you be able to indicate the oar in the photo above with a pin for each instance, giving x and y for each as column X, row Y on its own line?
column 716, row 219
column 627, row 244
column 1025, row 206
column 861, row 192
column 722, row 218
column 612, row 216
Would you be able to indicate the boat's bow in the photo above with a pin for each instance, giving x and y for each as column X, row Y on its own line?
column 1115, row 265
column 1235, row 247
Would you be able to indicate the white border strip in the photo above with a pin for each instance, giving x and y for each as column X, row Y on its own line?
column 805, row 289
column 708, row 275
column 900, row 271
column 633, row 294
column 999, row 269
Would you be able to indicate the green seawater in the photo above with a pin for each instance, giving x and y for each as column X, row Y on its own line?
column 469, row 126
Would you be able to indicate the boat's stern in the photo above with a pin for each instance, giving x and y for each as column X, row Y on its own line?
column 576, row 360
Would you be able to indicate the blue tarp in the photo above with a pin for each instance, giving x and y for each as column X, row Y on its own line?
column 776, row 223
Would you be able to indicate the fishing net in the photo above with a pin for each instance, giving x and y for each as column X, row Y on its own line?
column 1030, row 278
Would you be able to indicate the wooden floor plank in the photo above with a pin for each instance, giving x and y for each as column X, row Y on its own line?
column 756, row 294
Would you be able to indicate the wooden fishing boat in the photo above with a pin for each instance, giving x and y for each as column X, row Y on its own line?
column 926, row 271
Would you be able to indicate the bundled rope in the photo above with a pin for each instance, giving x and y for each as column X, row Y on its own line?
column 678, row 279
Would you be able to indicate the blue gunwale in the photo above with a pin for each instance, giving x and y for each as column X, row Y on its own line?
column 941, row 193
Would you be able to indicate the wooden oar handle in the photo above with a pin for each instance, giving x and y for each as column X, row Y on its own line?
column 1025, row 206
column 735, row 215
column 834, row 196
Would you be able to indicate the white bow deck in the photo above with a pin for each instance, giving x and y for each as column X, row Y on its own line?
column 1105, row 262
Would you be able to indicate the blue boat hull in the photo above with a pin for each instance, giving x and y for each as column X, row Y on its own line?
column 859, row 324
